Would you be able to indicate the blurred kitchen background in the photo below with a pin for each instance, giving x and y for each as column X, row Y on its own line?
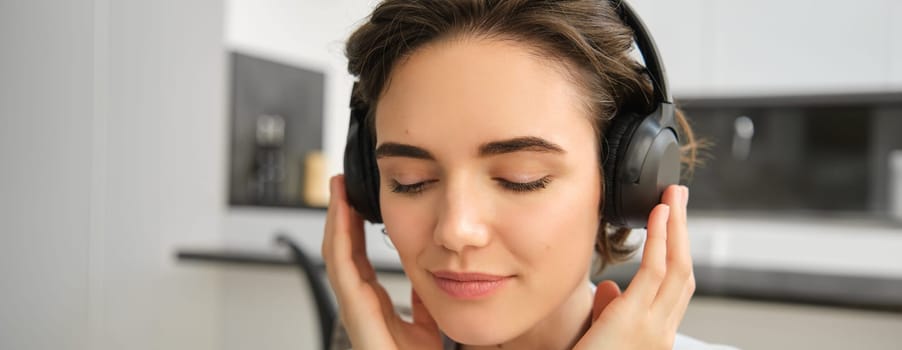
column 152, row 151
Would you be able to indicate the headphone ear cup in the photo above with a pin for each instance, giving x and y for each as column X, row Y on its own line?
column 360, row 169
column 643, row 159
column 616, row 139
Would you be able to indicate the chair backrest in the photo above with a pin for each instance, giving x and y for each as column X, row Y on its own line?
column 313, row 273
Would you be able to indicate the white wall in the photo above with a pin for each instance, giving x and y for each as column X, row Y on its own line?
column 113, row 150
column 45, row 149
column 165, row 134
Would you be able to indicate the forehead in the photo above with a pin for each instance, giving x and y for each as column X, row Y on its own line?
column 471, row 91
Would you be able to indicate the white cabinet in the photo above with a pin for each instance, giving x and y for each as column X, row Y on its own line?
column 895, row 42
column 801, row 46
column 679, row 29
column 772, row 47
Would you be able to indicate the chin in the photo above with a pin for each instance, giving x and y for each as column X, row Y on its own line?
column 478, row 334
column 480, row 327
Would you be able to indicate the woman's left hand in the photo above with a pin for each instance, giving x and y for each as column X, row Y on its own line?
column 648, row 313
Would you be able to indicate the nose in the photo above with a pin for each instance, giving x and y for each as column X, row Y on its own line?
column 461, row 217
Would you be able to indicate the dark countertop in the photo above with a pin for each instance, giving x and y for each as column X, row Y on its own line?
column 256, row 257
column 856, row 292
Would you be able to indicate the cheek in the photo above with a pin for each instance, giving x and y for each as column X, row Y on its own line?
column 556, row 232
column 407, row 223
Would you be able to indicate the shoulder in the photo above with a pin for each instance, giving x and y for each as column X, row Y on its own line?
column 685, row 342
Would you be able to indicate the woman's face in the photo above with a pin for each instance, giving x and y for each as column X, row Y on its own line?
column 488, row 166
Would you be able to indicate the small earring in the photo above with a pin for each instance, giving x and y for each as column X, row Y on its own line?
column 383, row 231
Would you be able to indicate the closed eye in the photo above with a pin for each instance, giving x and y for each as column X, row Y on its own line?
column 411, row 189
column 520, row 187
column 525, row 186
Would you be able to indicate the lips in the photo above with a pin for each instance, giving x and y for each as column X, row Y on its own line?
column 469, row 285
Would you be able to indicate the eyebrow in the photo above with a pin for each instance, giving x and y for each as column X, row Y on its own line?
column 394, row 149
column 517, row 144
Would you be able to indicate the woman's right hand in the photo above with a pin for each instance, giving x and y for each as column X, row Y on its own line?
column 364, row 306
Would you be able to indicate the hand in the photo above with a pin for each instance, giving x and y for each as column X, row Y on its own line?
column 364, row 306
column 648, row 313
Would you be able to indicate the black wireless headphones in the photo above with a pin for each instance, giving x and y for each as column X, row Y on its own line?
column 640, row 153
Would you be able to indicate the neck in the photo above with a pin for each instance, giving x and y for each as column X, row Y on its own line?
column 560, row 330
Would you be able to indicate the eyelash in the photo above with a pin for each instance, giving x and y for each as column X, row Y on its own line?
column 411, row 189
column 520, row 187
column 526, row 186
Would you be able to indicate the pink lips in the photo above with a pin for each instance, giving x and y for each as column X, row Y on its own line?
column 468, row 285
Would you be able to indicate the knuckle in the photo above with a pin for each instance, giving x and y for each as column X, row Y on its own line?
column 691, row 283
column 657, row 273
column 682, row 271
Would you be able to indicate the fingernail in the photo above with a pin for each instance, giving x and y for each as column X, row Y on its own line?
column 666, row 208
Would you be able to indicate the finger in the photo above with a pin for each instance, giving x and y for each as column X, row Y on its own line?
column 328, row 234
column 358, row 245
column 353, row 219
column 327, row 238
column 605, row 292
column 421, row 315
column 645, row 284
column 679, row 311
column 336, row 250
column 348, row 242
column 679, row 259
column 350, row 273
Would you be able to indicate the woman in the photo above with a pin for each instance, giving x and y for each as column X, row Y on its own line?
column 488, row 116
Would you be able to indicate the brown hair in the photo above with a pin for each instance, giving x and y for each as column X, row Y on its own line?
column 586, row 36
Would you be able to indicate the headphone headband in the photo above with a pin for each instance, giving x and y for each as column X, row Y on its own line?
column 648, row 49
